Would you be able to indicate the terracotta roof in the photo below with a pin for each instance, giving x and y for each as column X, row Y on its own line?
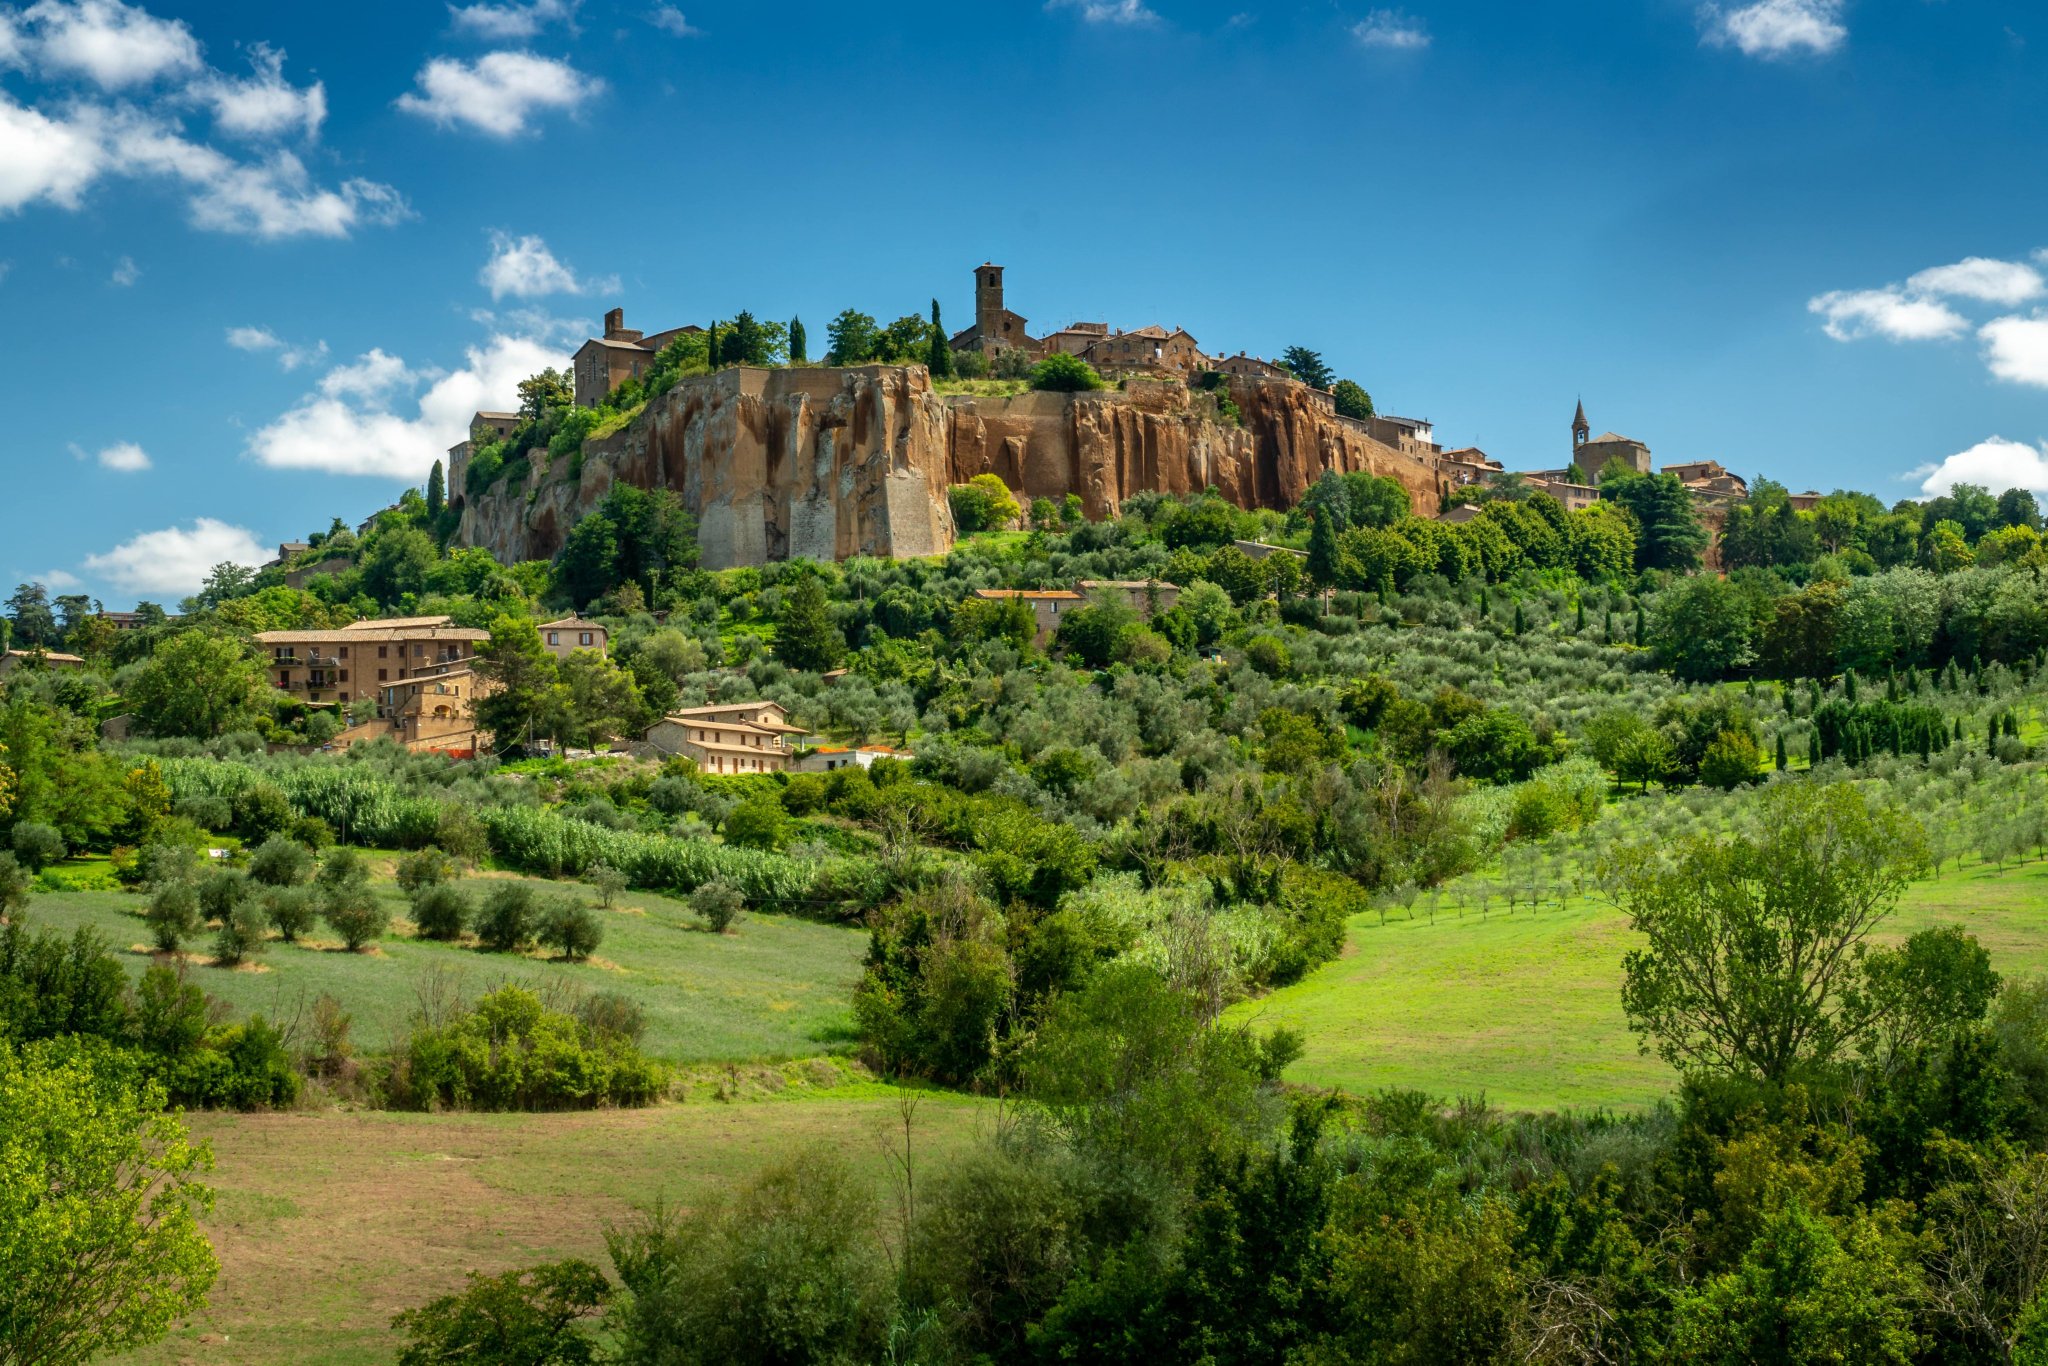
column 356, row 637
column 725, row 706
column 50, row 656
column 1128, row 583
column 1030, row 594
column 1606, row 437
column 385, row 623
column 570, row 624
column 497, row 417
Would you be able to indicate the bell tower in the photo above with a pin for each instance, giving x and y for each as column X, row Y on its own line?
column 1582, row 430
column 988, row 301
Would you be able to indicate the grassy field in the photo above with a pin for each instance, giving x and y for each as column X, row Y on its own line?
column 775, row 988
column 327, row 1224
column 1525, row 1009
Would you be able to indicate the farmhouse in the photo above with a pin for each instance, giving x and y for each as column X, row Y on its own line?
column 1046, row 604
column 731, row 737
column 372, row 662
column 566, row 636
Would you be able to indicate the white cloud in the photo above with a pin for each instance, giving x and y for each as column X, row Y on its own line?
column 1890, row 313
column 176, row 560
column 524, row 268
column 670, row 20
column 1391, row 30
column 263, row 104
column 57, row 580
column 126, row 272
column 44, row 159
column 1777, row 28
column 2016, row 349
column 1978, row 277
column 510, row 22
column 352, row 423
column 1128, row 13
column 112, row 44
column 263, row 339
column 1996, row 464
column 10, row 41
column 124, row 456
column 498, row 92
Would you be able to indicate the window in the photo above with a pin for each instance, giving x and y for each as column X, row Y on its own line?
column 382, row 650
column 419, row 651
column 586, row 638
column 554, row 637
column 344, row 675
column 342, row 653
column 382, row 674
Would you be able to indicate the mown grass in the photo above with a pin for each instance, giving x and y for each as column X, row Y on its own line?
column 775, row 988
column 1525, row 1008
column 327, row 1224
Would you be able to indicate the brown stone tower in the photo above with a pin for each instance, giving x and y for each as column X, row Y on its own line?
column 988, row 302
column 1582, row 430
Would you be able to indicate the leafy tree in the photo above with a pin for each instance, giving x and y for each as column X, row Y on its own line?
column 173, row 915
column 437, row 491
column 291, row 911
column 198, row 685
column 983, row 503
column 351, row 907
column 542, row 393
column 1757, row 943
column 37, row 846
column 441, row 911
column 100, row 1245
column 535, row 1317
column 523, row 678
column 587, row 568
column 606, row 881
column 1062, row 373
column 1308, row 367
column 241, row 934
column 1732, row 760
column 396, row 561
column 35, row 625
column 720, row 903
column 2017, row 508
column 281, row 861
column 799, row 344
column 1668, row 530
column 759, row 822
column 1352, row 400
column 1704, row 630
column 568, row 927
column 805, row 636
column 506, row 923
column 853, row 338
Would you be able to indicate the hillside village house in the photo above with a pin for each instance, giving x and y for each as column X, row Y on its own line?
column 1146, row 597
column 729, row 737
column 1414, row 436
column 602, row 364
column 37, row 659
column 1046, row 604
column 414, row 671
column 563, row 638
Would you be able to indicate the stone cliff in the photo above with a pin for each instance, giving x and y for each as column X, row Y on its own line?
column 825, row 463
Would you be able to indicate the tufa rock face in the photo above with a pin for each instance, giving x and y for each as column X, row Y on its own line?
column 826, row 463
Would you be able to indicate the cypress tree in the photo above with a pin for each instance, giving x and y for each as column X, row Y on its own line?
column 437, row 492
column 1521, row 623
column 1581, row 627
column 1322, row 551
column 711, row 345
column 1849, row 684
column 1485, row 605
column 1639, row 624
column 1610, row 626
column 1782, row 757
column 938, row 355
column 798, row 343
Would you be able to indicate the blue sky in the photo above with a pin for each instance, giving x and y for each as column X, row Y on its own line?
column 260, row 261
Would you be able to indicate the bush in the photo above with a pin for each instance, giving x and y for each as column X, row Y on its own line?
column 208, row 813
column 281, row 861
column 241, row 934
column 173, row 915
column 518, row 1318
column 312, row 832
column 221, row 891
column 1061, row 373
column 720, row 903
column 507, row 922
column 290, row 910
column 441, row 911
column 1732, row 760
column 14, row 884
column 606, row 881
column 427, row 868
column 37, row 846
column 355, row 914
column 612, row 1013
column 759, row 822
column 983, row 503
column 509, row 1052
column 569, row 927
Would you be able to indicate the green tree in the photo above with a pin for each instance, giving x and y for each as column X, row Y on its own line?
column 1757, row 943
column 938, row 355
column 852, row 337
column 799, row 344
column 806, row 638
column 396, row 561
column 1668, row 530
column 535, row 1317
column 35, row 625
column 539, row 394
column 1704, row 630
column 588, row 566
column 1308, row 367
column 1325, row 566
column 437, row 491
column 100, row 1200
column 1065, row 374
column 522, row 674
column 983, row 503
column 198, row 685
column 1352, row 400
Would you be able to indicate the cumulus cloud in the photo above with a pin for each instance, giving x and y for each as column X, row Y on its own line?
column 1127, row 13
column 512, row 22
column 263, row 339
column 362, row 419
column 124, row 456
column 43, row 159
column 670, row 20
column 176, row 560
column 524, row 268
column 263, row 104
column 1889, row 313
column 1977, row 277
column 498, row 93
column 1391, row 30
column 2016, row 349
column 1995, row 464
column 1777, row 28
column 115, row 46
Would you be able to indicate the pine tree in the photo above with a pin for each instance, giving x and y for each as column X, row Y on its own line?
column 1849, row 684
column 1521, row 622
column 798, row 351
column 938, row 355
column 1485, row 605
column 437, row 492
column 805, row 638
column 1782, row 757
column 711, row 345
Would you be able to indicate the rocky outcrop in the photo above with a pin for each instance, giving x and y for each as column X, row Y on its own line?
column 826, row 463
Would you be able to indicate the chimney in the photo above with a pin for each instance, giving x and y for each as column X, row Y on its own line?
column 614, row 322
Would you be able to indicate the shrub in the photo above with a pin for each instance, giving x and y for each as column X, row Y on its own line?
column 520, row 1317
column 241, row 934
column 720, row 903
column 441, row 911
column 569, row 927
column 606, row 881
column 281, row 861
column 613, row 1013
column 37, row 846
column 355, row 914
column 983, row 503
column 509, row 1052
column 173, row 914
column 507, row 921
column 341, row 866
column 262, row 810
column 14, row 884
column 1732, row 760
column 312, row 832
column 208, row 813
column 166, row 861
column 1061, row 373
column 759, row 822
column 427, row 868
column 290, row 910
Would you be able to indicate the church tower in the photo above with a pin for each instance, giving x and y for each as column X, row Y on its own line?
column 1582, row 430
column 988, row 302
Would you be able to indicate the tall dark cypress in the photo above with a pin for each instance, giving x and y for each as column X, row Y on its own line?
column 798, row 352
